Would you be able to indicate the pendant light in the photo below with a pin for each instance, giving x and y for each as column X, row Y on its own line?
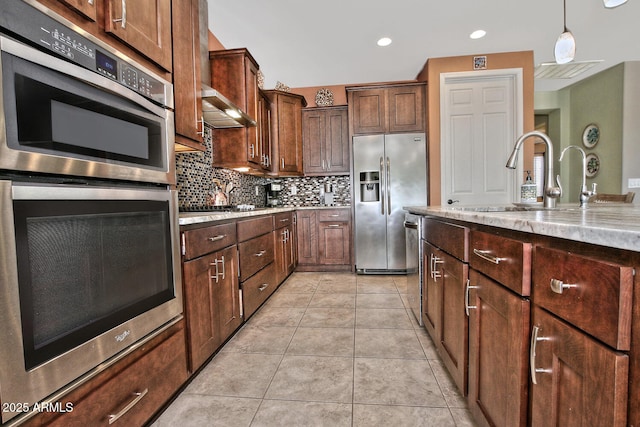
column 610, row 4
column 565, row 48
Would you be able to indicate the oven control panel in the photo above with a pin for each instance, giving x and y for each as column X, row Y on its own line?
column 60, row 39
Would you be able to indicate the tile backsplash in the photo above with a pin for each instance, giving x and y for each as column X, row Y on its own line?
column 195, row 176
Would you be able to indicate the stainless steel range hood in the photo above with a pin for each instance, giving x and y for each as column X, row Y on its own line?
column 219, row 112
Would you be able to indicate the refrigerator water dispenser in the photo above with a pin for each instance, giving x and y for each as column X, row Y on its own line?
column 370, row 186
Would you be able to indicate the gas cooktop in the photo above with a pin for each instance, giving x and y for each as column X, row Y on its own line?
column 219, row 208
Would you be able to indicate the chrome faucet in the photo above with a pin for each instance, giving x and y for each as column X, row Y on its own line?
column 584, row 193
column 551, row 193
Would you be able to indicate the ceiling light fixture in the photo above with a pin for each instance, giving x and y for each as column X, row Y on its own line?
column 610, row 4
column 477, row 34
column 565, row 48
column 384, row 41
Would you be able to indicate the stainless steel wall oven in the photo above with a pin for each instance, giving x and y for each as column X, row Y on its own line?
column 89, row 239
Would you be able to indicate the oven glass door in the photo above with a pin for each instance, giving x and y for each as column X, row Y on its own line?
column 86, row 266
column 62, row 119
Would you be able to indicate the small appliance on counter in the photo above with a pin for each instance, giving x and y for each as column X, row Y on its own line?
column 273, row 191
column 326, row 196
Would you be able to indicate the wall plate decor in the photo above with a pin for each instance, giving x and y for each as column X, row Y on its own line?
column 593, row 165
column 324, row 98
column 590, row 135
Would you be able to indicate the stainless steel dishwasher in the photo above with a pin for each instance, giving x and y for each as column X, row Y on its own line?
column 413, row 232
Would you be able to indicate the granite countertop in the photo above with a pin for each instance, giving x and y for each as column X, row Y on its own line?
column 612, row 225
column 188, row 218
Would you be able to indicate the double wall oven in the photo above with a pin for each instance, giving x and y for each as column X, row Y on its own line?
column 89, row 245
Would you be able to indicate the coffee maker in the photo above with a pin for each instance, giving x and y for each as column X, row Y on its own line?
column 273, row 191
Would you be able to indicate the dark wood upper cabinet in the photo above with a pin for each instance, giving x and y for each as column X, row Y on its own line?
column 86, row 8
column 144, row 25
column 187, row 74
column 394, row 108
column 325, row 139
column 286, row 132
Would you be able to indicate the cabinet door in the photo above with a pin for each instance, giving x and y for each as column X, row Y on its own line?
column 87, row 8
column 432, row 295
column 406, row 109
column 333, row 243
column 253, row 136
column 201, row 309
column 289, row 135
column 228, row 292
column 264, row 131
column 498, row 353
column 186, row 73
column 454, row 333
column 313, row 141
column 280, row 257
column 579, row 381
column 144, row 25
column 369, row 111
column 337, row 141
column 307, row 228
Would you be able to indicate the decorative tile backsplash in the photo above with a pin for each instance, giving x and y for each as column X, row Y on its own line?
column 195, row 175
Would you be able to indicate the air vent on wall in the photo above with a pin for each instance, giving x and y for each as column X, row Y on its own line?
column 551, row 70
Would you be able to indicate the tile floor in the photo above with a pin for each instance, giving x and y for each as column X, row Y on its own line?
column 327, row 349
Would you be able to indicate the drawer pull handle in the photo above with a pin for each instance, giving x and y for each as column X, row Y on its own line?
column 216, row 238
column 334, row 215
column 284, row 220
column 532, row 354
column 467, row 307
column 218, row 272
column 558, row 286
column 138, row 397
column 435, row 274
column 263, row 287
column 486, row 255
column 333, row 225
column 261, row 253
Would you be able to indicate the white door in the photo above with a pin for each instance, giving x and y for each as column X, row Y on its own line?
column 481, row 118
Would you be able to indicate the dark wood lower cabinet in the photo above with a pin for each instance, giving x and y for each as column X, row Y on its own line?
column 578, row 380
column 324, row 239
column 498, row 353
column 129, row 392
column 444, row 315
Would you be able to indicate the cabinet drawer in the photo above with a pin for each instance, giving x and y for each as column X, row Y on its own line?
column 334, row 215
column 208, row 239
column 257, row 289
column 151, row 380
column 255, row 254
column 250, row 228
column 451, row 238
column 591, row 294
column 282, row 219
column 505, row 260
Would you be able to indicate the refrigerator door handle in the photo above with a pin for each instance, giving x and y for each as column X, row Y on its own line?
column 387, row 182
column 382, row 186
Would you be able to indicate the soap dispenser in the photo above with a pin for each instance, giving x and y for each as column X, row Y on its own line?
column 528, row 190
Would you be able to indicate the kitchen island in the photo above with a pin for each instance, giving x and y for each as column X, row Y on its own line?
column 535, row 312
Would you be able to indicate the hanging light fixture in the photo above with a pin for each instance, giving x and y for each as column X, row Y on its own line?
column 610, row 4
column 565, row 48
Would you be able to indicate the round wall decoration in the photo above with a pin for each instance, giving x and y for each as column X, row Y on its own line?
column 324, row 98
column 593, row 165
column 590, row 135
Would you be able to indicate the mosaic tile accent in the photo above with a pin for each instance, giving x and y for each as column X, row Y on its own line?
column 195, row 174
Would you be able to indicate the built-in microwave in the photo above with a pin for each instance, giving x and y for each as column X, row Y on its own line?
column 73, row 106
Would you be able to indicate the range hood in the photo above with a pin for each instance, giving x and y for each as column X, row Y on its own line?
column 220, row 113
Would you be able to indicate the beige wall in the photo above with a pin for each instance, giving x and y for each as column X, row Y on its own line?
column 431, row 74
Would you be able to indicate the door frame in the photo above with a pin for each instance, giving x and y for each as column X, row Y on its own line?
column 512, row 74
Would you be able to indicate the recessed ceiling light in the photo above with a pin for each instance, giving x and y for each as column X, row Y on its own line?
column 384, row 41
column 478, row 34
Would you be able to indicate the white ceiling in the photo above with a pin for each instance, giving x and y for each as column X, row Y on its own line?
column 305, row 43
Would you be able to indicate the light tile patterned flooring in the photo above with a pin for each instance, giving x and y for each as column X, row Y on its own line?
column 327, row 349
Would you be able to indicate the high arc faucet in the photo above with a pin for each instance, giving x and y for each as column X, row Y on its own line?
column 551, row 192
column 584, row 193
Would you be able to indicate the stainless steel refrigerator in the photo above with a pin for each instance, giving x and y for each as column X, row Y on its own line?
column 390, row 171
